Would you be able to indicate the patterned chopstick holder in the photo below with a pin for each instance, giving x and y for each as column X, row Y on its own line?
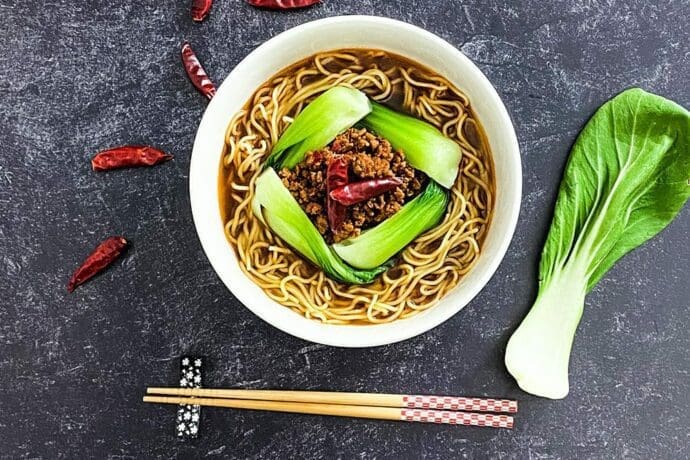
column 189, row 416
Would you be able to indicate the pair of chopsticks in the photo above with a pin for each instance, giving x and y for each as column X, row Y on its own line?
column 407, row 408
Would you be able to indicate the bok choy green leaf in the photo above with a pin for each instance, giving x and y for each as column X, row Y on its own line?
column 424, row 146
column 276, row 207
column 377, row 245
column 626, row 179
column 319, row 123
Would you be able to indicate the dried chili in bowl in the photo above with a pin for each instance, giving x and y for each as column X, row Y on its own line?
column 283, row 4
column 104, row 254
column 357, row 192
column 128, row 156
column 196, row 72
column 200, row 9
column 336, row 176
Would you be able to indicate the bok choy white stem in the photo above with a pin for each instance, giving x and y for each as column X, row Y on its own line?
column 626, row 179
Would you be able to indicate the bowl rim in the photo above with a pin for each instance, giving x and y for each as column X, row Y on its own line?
column 209, row 226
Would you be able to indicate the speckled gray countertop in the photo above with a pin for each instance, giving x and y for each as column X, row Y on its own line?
column 79, row 76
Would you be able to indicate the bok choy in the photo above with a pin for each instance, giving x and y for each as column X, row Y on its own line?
column 325, row 117
column 424, row 146
column 276, row 207
column 358, row 260
column 375, row 246
column 626, row 179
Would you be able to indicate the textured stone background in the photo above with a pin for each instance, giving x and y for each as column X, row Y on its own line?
column 78, row 76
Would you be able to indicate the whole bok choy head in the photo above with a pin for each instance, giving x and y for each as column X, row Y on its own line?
column 626, row 179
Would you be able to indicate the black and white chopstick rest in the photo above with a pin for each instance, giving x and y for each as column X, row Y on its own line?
column 189, row 416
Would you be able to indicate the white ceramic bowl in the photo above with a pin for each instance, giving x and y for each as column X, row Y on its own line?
column 351, row 32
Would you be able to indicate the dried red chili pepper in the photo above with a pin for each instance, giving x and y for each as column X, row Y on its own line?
column 98, row 260
column 357, row 192
column 127, row 156
column 283, row 4
column 196, row 72
column 336, row 176
column 200, row 9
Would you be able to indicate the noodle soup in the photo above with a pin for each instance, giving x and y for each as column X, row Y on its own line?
column 427, row 268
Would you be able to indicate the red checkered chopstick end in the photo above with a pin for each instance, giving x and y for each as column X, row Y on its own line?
column 460, row 403
column 456, row 418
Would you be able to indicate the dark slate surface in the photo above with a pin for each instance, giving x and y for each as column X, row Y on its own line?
column 79, row 76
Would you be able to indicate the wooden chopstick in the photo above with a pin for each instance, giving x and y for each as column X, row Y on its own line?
column 358, row 399
column 345, row 410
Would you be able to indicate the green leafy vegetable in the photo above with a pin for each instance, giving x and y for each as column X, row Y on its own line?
column 377, row 245
column 626, row 179
column 424, row 146
column 319, row 123
column 276, row 207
